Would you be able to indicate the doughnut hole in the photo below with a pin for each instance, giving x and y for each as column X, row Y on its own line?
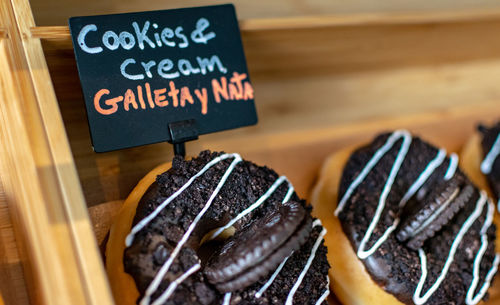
column 208, row 246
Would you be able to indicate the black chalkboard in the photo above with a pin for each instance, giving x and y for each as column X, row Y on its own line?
column 142, row 73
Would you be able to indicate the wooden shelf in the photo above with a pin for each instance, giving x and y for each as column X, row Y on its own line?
column 13, row 289
column 322, row 82
column 50, row 32
column 312, row 22
column 57, row 12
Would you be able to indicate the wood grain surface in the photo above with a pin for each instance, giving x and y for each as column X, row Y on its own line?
column 305, row 83
column 57, row 12
column 59, row 252
column 12, row 284
column 319, row 21
column 322, row 82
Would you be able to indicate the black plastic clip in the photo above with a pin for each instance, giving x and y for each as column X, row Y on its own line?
column 180, row 133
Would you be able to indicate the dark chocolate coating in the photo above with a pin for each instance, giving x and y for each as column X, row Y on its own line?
column 154, row 244
column 394, row 266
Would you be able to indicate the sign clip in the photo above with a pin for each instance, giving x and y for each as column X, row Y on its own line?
column 180, row 133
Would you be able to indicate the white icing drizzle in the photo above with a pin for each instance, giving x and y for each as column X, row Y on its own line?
column 417, row 298
column 470, row 299
column 257, row 203
column 139, row 226
column 487, row 163
column 227, row 298
column 452, row 168
column 487, row 281
column 325, row 294
column 174, row 285
column 288, row 194
column 272, row 278
column 289, row 299
column 164, row 269
column 429, row 169
column 316, row 223
column 259, row 293
column 373, row 161
column 362, row 253
column 489, row 218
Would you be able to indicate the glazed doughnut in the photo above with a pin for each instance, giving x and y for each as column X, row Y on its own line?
column 410, row 227
column 216, row 230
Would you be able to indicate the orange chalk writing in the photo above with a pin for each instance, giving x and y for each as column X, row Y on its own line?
column 248, row 91
column 148, row 94
column 173, row 94
column 237, row 80
column 110, row 102
column 203, row 97
column 129, row 99
column 160, row 99
column 186, row 96
column 237, row 89
column 234, row 93
column 141, row 98
column 220, row 89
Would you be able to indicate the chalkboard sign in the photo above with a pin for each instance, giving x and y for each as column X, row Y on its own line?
column 144, row 73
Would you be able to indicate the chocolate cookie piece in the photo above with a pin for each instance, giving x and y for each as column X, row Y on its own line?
column 436, row 210
column 373, row 205
column 258, row 248
column 490, row 166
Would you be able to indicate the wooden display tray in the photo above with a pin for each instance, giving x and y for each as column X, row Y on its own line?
column 321, row 83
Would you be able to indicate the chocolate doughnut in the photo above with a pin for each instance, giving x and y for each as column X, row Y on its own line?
column 217, row 230
column 409, row 225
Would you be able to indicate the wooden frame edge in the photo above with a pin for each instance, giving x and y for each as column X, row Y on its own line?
column 39, row 174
